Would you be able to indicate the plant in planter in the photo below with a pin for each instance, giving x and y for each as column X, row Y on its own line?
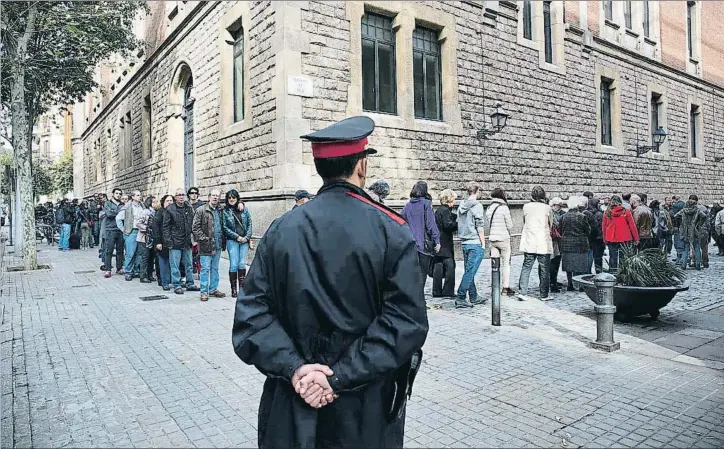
column 648, row 268
column 647, row 281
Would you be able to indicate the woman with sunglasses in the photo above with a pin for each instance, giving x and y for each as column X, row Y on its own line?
column 236, row 225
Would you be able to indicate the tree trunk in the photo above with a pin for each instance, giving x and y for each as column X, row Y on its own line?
column 21, row 147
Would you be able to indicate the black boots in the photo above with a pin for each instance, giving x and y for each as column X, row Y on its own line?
column 232, row 280
column 242, row 275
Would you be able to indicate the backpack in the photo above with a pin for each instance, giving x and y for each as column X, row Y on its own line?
column 59, row 215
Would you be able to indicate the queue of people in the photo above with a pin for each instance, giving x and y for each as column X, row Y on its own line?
column 573, row 241
column 167, row 240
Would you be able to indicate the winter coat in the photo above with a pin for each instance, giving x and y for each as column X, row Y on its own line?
column 421, row 219
column 502, row 225
column 719, row 223
column 158, row 231
column 594, row 215
column 676, row 219
column 662, row 223
column 620, row 226
column 177, row 224
column 447, row 224
column 536, row 235
column 575, row 229
column 203, row 230
column 343, row 289
column 144, row 223
column 644, row 221
column 230, row 216
column 692, row 222
column 471, row 221
column 556, row 217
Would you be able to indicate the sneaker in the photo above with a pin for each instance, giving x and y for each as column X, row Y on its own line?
column 509, row 291
column 103, row 268
column 107, row 275
column 218, row 294
column 120, row 271
column 478, row 302
column 463, row 305
column 524, row 297
column 204, row 297
column 179, row 291
column 192, row 288
column 129, row 278
column 145, row 281
column 166, row 288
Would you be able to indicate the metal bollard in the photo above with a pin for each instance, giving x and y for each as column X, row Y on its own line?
column 495, row 281
column 604, row 313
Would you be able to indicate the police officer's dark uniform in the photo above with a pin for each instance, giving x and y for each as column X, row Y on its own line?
column 335, row 282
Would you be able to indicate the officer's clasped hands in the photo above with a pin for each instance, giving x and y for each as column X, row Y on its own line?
column 310, row 382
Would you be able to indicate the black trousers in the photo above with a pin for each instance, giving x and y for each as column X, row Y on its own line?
column 425, row 262
column 114, row 239
column 598, row 248
column 443, row 268
column 554, row 268
column 148, row 258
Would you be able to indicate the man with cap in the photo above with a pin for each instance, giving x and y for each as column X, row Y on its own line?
column 333, row 310
column 301, row 197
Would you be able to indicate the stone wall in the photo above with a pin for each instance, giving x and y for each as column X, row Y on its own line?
column 550, row 139
column 551, row 135
column 244, row 159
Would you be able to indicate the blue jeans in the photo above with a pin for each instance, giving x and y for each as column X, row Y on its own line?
column 210, row 269
column 678, row 244
column 164, row 267
column 175, row 256
column 473, row 255
column 684, row 257
column 132, row 261
column 238, row 253
column 64, row 242
column 544, row 273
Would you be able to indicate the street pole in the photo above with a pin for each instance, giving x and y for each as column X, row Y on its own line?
column 495, row 276
column 605, row 309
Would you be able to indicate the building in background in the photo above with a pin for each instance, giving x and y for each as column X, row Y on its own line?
column 49, row 136
column 221, row 92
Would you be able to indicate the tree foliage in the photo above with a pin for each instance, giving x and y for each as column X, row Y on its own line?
column 62, row 174
column 42, row 179
column 69, row 40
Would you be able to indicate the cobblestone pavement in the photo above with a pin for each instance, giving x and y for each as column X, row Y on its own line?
column 90, row 364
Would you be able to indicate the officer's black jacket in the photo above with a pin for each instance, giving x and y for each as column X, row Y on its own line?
column 335, row 281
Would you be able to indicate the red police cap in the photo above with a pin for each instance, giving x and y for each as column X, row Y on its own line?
column 343, row 138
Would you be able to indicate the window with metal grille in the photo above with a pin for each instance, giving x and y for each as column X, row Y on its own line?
column 608, row 9
column 693, row 134
column 689, row 30
column 627, row 14
column 655, row 104
column 527, row 20
column 426, row 74
column 547, row 32
column 379, row 93
column 606, row 87
column 647, row 19
column 238, row 54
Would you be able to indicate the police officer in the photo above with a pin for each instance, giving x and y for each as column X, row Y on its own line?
column 333, row 311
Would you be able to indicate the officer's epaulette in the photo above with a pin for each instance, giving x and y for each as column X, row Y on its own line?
column 381, row 207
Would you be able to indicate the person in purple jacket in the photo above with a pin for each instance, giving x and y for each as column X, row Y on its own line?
column 421, row 218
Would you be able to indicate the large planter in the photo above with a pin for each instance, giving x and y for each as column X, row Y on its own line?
column 633, row 301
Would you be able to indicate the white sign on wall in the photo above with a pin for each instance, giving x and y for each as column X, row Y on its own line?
column 300, row 85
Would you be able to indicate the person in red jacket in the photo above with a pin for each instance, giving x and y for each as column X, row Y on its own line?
column 619, row 228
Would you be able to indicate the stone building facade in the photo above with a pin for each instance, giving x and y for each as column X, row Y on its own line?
column 187, row 112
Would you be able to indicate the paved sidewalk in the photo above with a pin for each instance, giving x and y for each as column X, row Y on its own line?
column 86, row 363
